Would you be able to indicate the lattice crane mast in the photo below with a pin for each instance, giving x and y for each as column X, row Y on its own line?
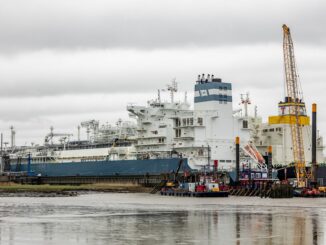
column 296, row 109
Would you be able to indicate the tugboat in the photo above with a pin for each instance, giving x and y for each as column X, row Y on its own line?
column 207, row 186
column 203, row 188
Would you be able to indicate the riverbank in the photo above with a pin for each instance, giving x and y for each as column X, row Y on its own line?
column 13, row 189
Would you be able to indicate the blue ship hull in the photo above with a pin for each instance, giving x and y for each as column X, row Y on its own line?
column 105, row 168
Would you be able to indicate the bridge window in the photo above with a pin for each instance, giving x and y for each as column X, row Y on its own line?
column 178, row 122
column 178, row 133
column 200, row 152
column 245, row 124
column 200, row 121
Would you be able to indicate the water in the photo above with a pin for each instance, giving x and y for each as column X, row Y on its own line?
column 153, row 219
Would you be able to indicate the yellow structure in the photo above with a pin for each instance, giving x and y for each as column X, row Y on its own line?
column 289, row 119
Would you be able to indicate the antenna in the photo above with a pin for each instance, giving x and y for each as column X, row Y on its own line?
column 1, row 143
column 51, row 130
column 172, row 88
column 78, row 132
column 13, row 133
column 159, row 96
column 245, row 100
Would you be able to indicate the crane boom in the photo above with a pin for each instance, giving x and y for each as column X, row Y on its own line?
column 295, row 107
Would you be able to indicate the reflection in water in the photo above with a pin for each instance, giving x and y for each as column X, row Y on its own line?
column 315, row 231
column 132, row 219
column 237, row 232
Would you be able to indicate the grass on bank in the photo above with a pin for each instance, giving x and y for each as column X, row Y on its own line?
column 105, row 187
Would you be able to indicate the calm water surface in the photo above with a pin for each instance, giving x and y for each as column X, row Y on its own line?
column 152, row 219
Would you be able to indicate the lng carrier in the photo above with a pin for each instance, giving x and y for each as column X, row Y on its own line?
column 163, row 133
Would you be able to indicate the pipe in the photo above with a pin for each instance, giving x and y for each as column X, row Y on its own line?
column 270, row 162
column 209, row 158
column 313, row 144
column 12, row 136
column 29, row 161
column 237, row 160
column 78, row 132
column 1, row 143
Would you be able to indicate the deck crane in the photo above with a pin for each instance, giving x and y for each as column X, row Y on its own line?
column 90, row 125
column 296, row 107
column 49, row 137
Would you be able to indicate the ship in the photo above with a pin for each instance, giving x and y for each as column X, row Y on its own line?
column 161, row 133
column 157, row 136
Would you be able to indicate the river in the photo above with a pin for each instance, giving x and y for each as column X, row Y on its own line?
column 117, row 218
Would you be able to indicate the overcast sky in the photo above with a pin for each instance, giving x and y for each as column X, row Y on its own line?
column 65, row 61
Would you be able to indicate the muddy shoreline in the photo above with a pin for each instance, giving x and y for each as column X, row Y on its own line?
column 19, row 190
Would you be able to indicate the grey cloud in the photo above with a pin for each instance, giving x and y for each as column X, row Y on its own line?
column 127, row 71
column 38, row 108
column 35, row 24
column 51, row 73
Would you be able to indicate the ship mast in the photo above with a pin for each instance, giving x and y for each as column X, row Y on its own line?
column 173, row 88
column 245, row 100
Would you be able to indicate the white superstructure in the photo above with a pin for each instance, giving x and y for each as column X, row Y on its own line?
column 204, row 135
column 277, row 133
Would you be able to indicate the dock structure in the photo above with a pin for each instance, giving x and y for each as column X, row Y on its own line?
column 237, row 160
column 313, row 146
column 264, row 189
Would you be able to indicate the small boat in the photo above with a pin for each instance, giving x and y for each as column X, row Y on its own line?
column 204, row 189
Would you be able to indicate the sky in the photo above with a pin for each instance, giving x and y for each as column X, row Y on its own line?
column 67, row 61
